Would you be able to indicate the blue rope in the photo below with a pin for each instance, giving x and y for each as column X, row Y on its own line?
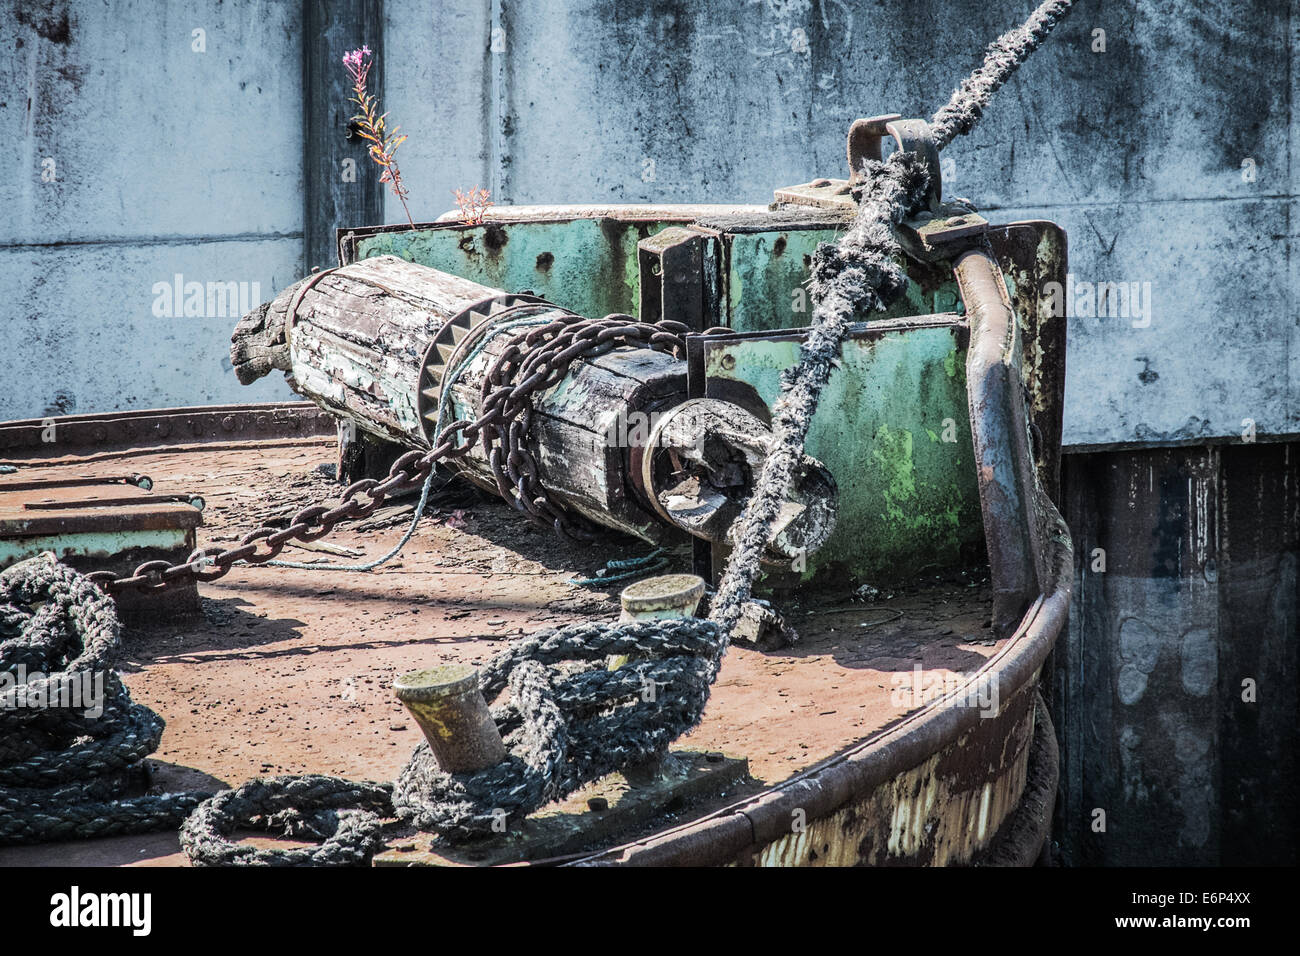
column 627, row 569
column 369, row 565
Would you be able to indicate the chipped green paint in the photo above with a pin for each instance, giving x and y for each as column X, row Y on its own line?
column 586, row 265
column 767, row 276
column 92, row 544
column 950, row 364
column 908, row 499
column 590, row 266
column 891, row 450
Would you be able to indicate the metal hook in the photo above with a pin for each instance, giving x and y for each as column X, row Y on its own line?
column 916, row 136
column 864, row 143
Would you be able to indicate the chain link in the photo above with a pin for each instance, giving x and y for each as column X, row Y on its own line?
column 530, row 363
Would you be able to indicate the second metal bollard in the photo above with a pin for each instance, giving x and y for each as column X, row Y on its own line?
column 665, row 596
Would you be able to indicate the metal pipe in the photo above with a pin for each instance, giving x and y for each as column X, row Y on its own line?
column 1004, row 458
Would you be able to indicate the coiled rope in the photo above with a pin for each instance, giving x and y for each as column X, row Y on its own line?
column 71, row 739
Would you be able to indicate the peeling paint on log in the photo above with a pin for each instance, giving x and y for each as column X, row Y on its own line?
column 359, row 334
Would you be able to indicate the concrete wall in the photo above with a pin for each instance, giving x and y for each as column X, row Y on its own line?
column 173, row 161
column 131, row 157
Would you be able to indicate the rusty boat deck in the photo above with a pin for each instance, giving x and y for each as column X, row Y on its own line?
column 290, row 671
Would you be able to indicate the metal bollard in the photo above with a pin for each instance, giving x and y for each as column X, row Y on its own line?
column 668, row 595
column 665, row 596
column 447, row 704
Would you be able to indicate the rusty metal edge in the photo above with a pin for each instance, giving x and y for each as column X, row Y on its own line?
column 720, row 837
column 1022, row 838
column 717, row 838
column 1261, row 438
column 151, row 428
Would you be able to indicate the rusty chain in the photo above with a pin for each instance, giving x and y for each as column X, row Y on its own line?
column 535, row 362
column 530, row 363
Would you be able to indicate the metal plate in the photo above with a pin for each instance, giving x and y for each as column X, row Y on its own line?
column 111, row 431
column 588, row 266
column 893, row 427
column 93, row 508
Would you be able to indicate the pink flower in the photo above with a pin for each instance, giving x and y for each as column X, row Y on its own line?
column 357, row 63
column 373, row 127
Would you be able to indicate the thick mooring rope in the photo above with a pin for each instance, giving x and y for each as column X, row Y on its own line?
column 71, row 740
column 859, row 274
column 565, row 729
column 1003, row 57
column 568, row 719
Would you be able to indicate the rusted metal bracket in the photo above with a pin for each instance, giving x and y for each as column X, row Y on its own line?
column 821, row 193
column 864, row 143
column 935, row 233
column 673, row 277
column 942, row 234
column 865, row 139
column 915, row 136
column 109, row 524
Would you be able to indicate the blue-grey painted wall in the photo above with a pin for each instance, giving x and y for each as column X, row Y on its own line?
column 175, row 161
column 136, row 150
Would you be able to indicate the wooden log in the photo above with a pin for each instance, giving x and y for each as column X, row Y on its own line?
column 395, row 350
column 587, row 431
column 355, row 339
